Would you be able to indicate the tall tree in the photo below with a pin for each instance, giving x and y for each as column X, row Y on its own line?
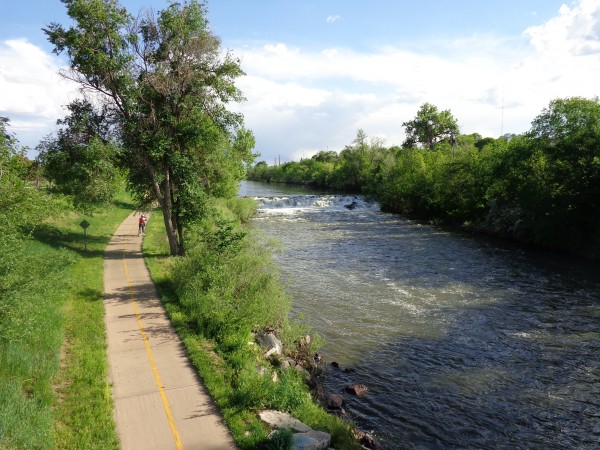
column 565, row 166
column 166, row 80
column 429, row 127
column 22, row 205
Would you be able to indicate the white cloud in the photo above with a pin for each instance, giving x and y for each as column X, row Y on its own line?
column 331, row 19
column 492, row 85
column 575, row 31
column 33, row 92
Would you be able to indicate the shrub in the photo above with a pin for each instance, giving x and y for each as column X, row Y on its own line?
column 229, row 283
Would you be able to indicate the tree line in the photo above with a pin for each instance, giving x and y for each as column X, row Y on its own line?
column 540, row 187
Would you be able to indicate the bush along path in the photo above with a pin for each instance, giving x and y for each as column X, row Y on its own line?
column 160, row 402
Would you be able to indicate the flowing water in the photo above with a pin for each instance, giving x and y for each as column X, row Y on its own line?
column 464, row 342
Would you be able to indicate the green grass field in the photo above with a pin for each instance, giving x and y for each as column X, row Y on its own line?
column 54, row 391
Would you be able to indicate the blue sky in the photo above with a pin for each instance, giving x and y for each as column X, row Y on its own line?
column 319, row 70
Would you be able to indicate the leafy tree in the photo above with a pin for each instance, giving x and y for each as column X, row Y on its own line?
column 429, row 127
column 260, row 171
column 565, row 164
column 22, row 206
column 354, row 164
column 326, row 156
column 81, row 159
column 164, row 78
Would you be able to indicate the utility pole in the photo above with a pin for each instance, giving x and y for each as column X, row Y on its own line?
column 502, row 117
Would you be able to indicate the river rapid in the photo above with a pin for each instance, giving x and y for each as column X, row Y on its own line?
column 464, row 342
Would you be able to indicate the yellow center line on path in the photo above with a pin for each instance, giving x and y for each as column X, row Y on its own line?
column 163, row 395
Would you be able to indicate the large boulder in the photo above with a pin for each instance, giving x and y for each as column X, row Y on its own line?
column 305, row 438
column 278, row 419
column 311, row 440
column 335, row 401
column 270, row 343
column 357, row 389
column 365, row 439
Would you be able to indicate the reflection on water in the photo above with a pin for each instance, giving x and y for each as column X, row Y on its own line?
column 464, row 342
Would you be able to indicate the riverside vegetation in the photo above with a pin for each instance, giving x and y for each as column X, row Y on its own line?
column 541, row 187
column 54, row 390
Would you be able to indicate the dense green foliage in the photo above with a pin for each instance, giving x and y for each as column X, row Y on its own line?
column 54, row 390
column 157, row 115
column 542, row 187
column 164, row 84
column 225, row 289
column 228, row 283
column 21, row 207
column 53, row 367
column 430, row 127
column 81, row 160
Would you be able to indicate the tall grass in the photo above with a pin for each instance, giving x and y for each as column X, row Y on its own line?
column 223, row 290
column 53, row 367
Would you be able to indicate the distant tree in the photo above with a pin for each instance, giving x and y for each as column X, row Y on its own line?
column 508, row 136
column 357, row 162
column 326, row 156
column 481, row 143
column 349, row 174
column 261, row 165
column 429, row 127
column 565, row 165
column 360, row 141
column 260, row 171
column 166, row 80
column 22, row 206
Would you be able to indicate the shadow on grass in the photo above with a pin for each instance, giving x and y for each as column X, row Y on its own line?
column 124, row 205
column 166, row 291
column 91, row 295
column 56, row 238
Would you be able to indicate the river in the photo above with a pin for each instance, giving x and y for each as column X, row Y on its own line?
column 464, row 342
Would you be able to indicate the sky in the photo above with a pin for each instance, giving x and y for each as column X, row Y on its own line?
column 317, row 71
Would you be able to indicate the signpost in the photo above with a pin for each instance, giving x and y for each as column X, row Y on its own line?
column 84, row 224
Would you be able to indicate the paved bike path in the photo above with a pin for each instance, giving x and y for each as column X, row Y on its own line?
column 160, row 402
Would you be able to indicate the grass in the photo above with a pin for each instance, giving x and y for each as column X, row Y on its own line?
column 226, row 279
column 54, row 391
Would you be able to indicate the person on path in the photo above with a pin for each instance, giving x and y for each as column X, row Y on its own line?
column 142, row 225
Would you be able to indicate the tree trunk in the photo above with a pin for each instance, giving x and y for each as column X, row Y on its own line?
column 166, row 208
column 180, row 234
column 164, row 199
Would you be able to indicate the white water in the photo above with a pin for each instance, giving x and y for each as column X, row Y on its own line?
column 289, row 205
